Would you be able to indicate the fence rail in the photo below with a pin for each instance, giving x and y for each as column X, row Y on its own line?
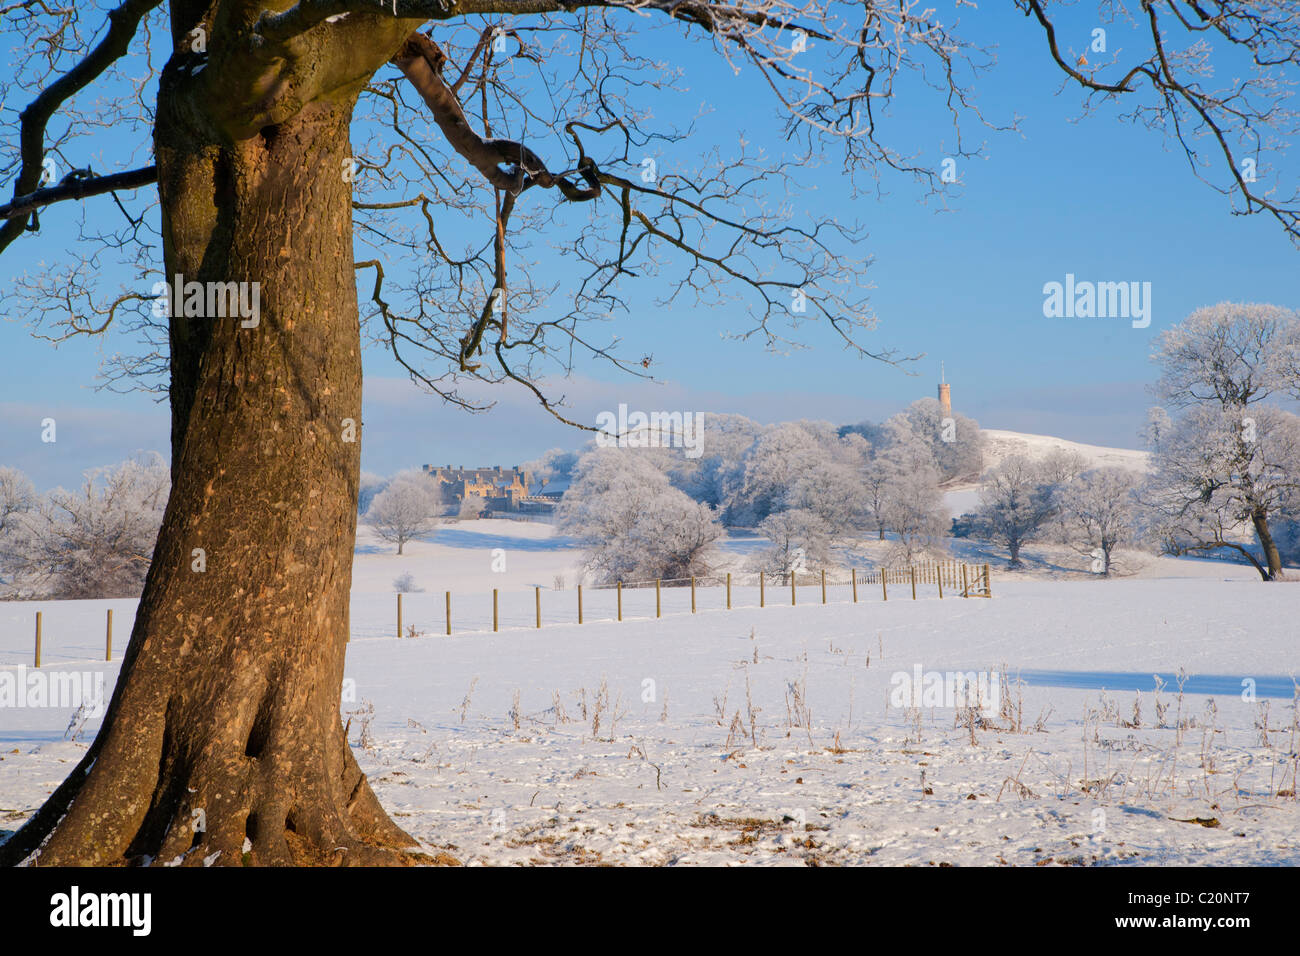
column 422, row 614
column 656, row 598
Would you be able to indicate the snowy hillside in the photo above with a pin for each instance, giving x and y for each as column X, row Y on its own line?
column 1001, row 444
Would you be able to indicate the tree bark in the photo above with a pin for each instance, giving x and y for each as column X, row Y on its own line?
column 224, row 726
column 1272, row 557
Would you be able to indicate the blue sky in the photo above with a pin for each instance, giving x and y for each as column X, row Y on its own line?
column 1095, row 197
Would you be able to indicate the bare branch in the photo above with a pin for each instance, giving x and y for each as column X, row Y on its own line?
column 74, row 186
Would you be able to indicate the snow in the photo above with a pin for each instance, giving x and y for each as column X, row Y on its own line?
column 458, row 555
column 1000, row 444
column 665, row 778
column 962, row 498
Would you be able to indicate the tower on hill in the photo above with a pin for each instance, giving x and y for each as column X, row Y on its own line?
column 945, row 393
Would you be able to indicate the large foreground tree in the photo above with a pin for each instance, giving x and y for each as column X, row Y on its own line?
column 223, row 742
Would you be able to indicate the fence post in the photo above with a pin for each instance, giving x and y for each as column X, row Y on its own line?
column 449, row 614
column 108, row 637
column 538, row 595
column 853, row 573
column 940, row 580
column 823, row 585
column 988, row 586
column 792, row 576
column 494, row 609
column 913, row 582
column 658, row 605
column 884, row 589
column 728, row 590
column 692, row 594
column 579, row 603
column 399, row 615
column 620, row 600
column 964, row 587
column 762, row 598
column 38, row 638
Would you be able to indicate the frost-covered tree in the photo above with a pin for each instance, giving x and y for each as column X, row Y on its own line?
column 770, row 467
column 800, row 539
column 672, row 538
column 554, row 466
column 404, row 510
column 908, row 501
column 1230, row 464
column 955, row 444
column 915, row 513
column 725, row 440
column 833, row 488
column 1229, row 355
column 1101, row 506
column 1056, row 470
column 1158, row 426
column 17, row 495
column 1060, row 466
column 1016, row 501
column 632, row 522
column 874, row 434
column 876, row 479
column 17, row 498
column 1223, row 475
column 97, row 541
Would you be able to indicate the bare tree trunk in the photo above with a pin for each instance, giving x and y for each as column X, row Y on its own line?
column 1272, row 557
column 224, row 725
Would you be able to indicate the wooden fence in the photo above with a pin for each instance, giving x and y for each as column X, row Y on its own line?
column 424, row 614
column 631, row 599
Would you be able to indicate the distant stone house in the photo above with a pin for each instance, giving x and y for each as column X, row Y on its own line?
column 497, row 488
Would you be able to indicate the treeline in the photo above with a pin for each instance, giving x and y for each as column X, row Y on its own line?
column 1225, row 475
column 1225, row 464
column 805, row 486
column 92, row 542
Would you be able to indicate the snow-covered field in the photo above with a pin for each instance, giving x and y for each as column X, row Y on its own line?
column 768, row 735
